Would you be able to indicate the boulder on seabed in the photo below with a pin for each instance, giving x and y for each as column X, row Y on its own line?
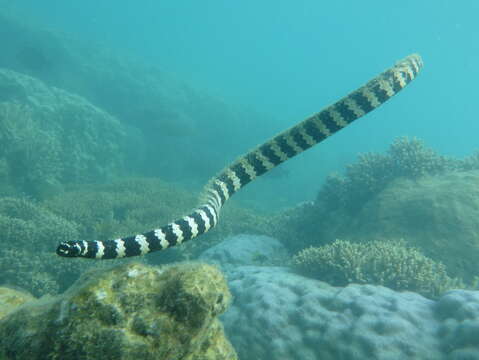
column 132, row 311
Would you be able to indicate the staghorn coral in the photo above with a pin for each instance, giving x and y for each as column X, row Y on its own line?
column 387, row 263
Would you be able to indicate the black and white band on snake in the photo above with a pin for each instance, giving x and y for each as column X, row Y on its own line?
column 258, row 161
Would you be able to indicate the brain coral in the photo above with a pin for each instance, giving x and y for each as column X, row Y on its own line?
column 278, row 315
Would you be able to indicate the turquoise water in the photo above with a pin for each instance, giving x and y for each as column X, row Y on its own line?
column 288, row 59
column 192, row 85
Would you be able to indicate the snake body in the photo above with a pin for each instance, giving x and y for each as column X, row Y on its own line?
column 258, row 161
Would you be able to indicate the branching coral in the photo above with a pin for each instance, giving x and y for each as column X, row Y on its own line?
column 386, row 263
column 412, row 159
column 408, row 158
column 471, row 162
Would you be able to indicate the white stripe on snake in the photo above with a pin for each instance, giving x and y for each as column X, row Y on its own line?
column 258, row 161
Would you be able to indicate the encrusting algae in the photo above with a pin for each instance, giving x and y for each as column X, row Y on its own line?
column 133, row 311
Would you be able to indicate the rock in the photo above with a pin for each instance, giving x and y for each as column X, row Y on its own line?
column 245, row 249
column 279, row 315
column 132, row 311
column 10, row 299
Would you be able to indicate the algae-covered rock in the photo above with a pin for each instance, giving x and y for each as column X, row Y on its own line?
column 11, row 298
column 132, row 311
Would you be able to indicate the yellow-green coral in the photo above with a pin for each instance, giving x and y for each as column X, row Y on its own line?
column 386, row 263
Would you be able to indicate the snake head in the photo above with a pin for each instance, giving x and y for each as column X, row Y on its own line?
column 69, row 249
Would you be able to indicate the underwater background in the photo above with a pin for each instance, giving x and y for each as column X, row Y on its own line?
column 114, row 115
column 285, row 60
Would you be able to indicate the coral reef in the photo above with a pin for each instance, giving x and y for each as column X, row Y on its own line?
column 410, row 192
column 126, row 205
column 471, row 162
column 245, row 249
column 280, row 315
column 129, row 312
column 406, row 158
column 341, row 197
column 298, row 227
column 131, row 205
column 50, row 137
column 411, row 158
column 166, row 121
column 386, row 263
column 436, row 214
column 29, row 233
column 235, row 219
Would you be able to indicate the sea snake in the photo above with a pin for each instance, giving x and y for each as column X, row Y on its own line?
column 258, row 161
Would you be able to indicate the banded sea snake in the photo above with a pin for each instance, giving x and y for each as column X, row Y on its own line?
column 258, row 161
